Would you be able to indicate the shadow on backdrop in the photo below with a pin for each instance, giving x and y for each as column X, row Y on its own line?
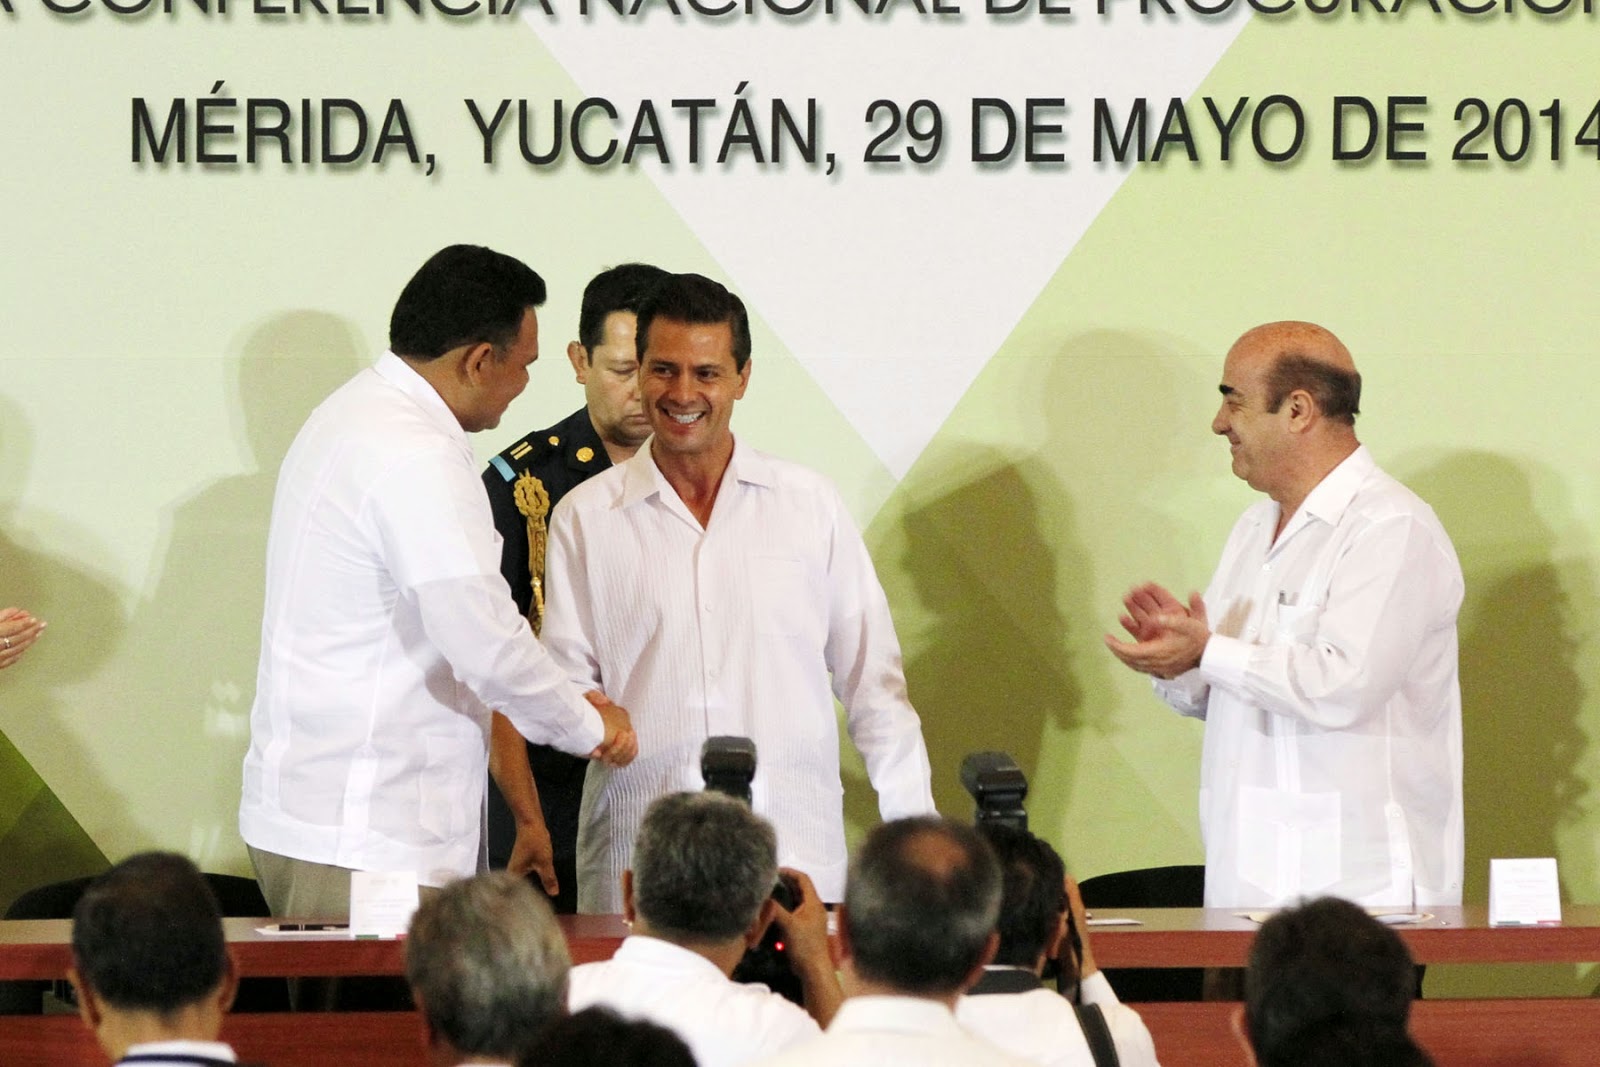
column 1521, row 689
column 202, row 622
column 40, row 839
column 991, row 580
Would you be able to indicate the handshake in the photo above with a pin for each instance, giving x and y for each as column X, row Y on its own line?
column 620, row 743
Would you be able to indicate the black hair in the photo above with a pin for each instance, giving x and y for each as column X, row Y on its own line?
column 698, row 301
column 463, row 295
column 1033, row 894
column 1337, row 392
column 621, row 288
column 599, row 1037
column 147, row 934
column 1320, row 969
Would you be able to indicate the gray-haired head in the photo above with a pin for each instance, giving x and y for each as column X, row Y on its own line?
column 703, row 864
column 921, row 905
column 488, row 963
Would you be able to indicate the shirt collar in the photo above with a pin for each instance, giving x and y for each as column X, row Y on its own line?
column 644, row 479
column 1329, row 498
column 211, row 1050
column 908, row 1015
column 654, row 952
column 403, row 376
column 1338, row 487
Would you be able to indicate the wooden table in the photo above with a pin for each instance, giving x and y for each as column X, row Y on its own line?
column 1220, row 937
column 1459, row 1033
column 41, row 948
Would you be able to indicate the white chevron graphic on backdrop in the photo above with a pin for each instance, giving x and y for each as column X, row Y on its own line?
column 893, row 285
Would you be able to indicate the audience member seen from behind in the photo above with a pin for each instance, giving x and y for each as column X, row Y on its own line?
column 599, row 1037
column 1329, row 985
column 698, row 895
column 916, row 929
column 488, row 969
column 18, row 631
column 1008, row 1006
column 149, row 963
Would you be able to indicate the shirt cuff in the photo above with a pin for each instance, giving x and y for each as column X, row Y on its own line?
column 1185, row 693
column 1224, row 662
column 1096, row 989
column 587, row 736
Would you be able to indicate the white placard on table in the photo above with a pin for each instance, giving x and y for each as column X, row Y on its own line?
column 1524, row 892
column 382, row 902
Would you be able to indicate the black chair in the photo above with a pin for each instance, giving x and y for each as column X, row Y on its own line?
column 1180, row 886
column 236, row 897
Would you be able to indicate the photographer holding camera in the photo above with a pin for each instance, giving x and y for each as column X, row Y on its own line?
column 698, row 894
column 1042, row 926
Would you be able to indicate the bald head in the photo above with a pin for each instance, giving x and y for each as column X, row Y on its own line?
column 1290, row 394
column 1290, row 356
column 1274, row 339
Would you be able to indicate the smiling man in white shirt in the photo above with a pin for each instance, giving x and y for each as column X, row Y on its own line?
column 1323, row 656
column 716, row 590
column 388, row 632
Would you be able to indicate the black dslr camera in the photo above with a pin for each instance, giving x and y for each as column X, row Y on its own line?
column 999, row 787
column 728, row 765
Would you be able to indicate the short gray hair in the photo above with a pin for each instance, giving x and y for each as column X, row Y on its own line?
column 703, row 864
column 921, row 903
column 489, row 963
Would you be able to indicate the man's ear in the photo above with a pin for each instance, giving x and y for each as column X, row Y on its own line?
column 89, row 1009
column 580, row 359
column 1241, row 1033
column 477, row 360
column 1302, row 409
column 429, row 1038
column 228, row 988
column 990, row 947
column 758, row 927
column 1052, row 951
column 629, row 912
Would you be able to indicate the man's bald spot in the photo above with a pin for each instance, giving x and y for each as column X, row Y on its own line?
column 1288, row 356
column 1274, row 340
column 936, row 854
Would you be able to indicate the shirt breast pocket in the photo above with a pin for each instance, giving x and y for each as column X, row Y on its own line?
column 780, row 595
column 1297, row 622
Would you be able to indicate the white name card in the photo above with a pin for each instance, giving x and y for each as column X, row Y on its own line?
column 1524, row 892
column 382, row 902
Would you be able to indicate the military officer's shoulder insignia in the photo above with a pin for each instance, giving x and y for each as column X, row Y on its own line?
column 520, row 456
column 584, row 454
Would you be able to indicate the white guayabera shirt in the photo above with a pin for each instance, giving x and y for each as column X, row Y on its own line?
column 1332, row 756
column 748, row 627
column 387, row 634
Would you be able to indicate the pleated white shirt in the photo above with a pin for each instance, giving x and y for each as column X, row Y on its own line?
column 747, row 627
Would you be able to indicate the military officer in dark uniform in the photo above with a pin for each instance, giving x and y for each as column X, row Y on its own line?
column 533, row 821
